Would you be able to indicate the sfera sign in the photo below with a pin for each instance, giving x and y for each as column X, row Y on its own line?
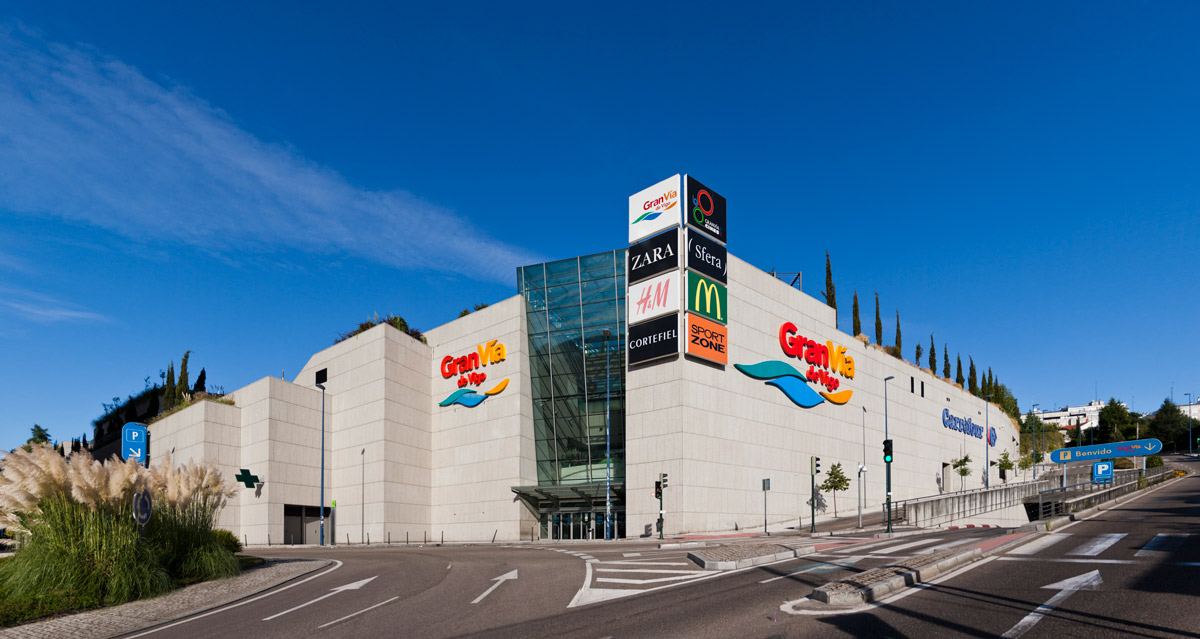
column 654, row 339
column 706, row 210
column 965, row 426
column 652, row 256
column 707, row 257
column 654, row 297
column 654, row 209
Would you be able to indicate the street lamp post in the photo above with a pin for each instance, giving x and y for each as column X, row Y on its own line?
column 863, row 467
column 322, row 377
column 607, row 443
column 1034, row 433
column 889, row 463
column 1189, row 396
column 362, row 533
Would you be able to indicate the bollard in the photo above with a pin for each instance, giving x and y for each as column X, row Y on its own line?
column 531, row 534
column 268, row 540
column 424, row 536
column 347, row 539
column 389, row 538
column 494, row 535
column 368, row 539
column 443, row 538
column 246, row 538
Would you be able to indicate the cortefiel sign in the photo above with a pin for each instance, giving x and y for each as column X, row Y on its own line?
column 705, row 210
column 657, row 209
column 707, row 257
column 653, row 339
column 707, row 297
column 707, row 340
column 652, row 256
column 654, row 297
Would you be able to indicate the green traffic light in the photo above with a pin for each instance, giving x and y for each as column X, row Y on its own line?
column 887, row 458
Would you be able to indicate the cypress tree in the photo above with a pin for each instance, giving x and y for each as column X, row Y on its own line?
column 200, row 379
column 932, row 356
column 973, row 384
column 898, row 351
column 181, row 387
column 958, row 376
column 920, row 352
column 857, row 324
column 169, row 388
column 945, row 362
column 878, row 322
column 830, row 292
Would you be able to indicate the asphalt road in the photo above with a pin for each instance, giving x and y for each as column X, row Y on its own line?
column 1126, row 572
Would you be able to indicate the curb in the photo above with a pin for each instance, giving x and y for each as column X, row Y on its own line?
column 685, row 544
column 880, row 590
column 709, row 564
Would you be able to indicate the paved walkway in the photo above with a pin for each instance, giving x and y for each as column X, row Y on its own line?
column 139, row 615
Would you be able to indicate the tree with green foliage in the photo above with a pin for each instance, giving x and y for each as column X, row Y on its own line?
column 898, row 347
column 200, row 383
column 945, row 362
column 181, row 387
column 962, row 466
column 932, row 356
column 920, row 350
column 169, row 388
column 38, row 435
column 395, row 321
column 1025, row 463
column 1005, row 463
column 958, row 376
column 1114, row 419
column 834, row 483
column 857, row 323
column 830, row 291
column 878, row 322
column 466, row 311
column 972, row 382
column 1170, row 426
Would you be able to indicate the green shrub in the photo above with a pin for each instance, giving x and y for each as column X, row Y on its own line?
column 1123, row 463
column 228, row 540
column 15, row 610
column 1154, row 461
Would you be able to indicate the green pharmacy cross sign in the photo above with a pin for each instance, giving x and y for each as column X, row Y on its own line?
column 246, row 478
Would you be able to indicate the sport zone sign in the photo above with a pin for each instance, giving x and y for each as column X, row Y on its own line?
column 707, row 340
column 707, row 297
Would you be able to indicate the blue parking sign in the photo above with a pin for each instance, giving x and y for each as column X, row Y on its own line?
column 1102, row 471
column 133, row 441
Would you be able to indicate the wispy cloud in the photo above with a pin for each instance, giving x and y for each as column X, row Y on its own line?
column 43, row 308
column 90, row 139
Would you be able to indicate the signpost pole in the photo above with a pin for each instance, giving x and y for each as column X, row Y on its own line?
column 813, row 503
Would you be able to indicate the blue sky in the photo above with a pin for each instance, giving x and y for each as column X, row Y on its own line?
column 247, row 182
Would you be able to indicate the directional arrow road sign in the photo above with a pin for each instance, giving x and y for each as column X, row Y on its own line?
column 1086, row 581
column 354, row 586
column 499, row 580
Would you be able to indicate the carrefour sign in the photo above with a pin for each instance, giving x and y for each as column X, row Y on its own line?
column 966, row 426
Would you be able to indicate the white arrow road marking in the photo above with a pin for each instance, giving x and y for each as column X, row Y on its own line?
column 1086, row 581
column 819, row 568
column 499, row 580
column 354, row 586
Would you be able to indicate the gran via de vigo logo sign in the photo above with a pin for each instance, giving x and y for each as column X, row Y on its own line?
column 828, row 364
column 468, row 370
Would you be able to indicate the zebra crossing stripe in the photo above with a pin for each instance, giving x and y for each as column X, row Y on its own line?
column 1162, row 544
column 914, row 544
column 946, row 546
column 852, row 549
column 1038, row 545
column 1098, row 545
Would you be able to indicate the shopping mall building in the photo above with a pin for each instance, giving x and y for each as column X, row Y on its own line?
column 537, row 414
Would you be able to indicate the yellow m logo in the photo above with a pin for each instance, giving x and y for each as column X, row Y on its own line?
column 707, row 291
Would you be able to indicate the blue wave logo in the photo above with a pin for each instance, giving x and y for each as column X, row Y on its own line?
column 466, row 396
column 786, row 378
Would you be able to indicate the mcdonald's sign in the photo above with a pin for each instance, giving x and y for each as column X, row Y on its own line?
column 708, row 298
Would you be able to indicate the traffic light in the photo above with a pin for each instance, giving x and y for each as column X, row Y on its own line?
column 663, row 478
column 816, row 465
column 887, row 450
column 658, row 490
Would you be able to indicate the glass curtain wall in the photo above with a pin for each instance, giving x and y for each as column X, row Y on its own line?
column 569, row 305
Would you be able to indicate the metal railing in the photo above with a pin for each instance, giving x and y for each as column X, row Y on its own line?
column 900, row 507
column 1064, row 500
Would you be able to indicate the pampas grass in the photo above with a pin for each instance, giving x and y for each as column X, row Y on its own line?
column 77, row 534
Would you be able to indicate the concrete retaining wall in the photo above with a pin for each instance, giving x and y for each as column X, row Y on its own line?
column 1001, row 505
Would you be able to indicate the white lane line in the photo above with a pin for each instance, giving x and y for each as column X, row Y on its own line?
column 615, row 580
column 358, row 613
column 820, row 567
column 354, row 586
column 1038, row 545
column 1162, row 544
column 914, row 544
column 655, row 571
column 1062, row 560
column 631, row 554
column 1098, row 545
column 945, row 546
column 646, row 563
column 337, row 564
